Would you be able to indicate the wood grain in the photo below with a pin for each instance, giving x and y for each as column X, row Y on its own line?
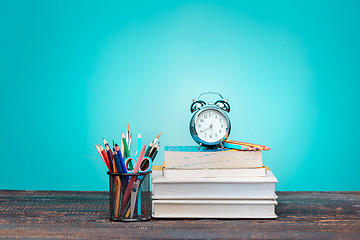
column 56, row 214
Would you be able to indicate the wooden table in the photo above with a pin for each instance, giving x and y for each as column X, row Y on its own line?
column 55, row 214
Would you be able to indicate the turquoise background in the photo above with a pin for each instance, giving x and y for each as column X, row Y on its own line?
column 73, row 72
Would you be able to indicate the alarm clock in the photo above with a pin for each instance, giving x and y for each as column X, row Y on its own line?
column 210, row 125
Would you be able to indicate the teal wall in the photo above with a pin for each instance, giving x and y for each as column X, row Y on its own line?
column 73, row 72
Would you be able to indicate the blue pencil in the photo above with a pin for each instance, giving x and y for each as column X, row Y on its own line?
column 234, row 146
column 121, row 159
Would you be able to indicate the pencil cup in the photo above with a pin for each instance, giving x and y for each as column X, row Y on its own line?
column 130, row 196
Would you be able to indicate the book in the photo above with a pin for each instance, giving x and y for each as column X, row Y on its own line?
column 212, row 172
column 214, row 208
column 214, row 188
column 191, row 157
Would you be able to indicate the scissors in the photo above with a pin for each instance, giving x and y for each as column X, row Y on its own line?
column 142, row 165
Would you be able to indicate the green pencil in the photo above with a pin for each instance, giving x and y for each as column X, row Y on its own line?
column 126, row 150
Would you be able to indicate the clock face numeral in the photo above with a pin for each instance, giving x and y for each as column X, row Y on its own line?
column 211, row 125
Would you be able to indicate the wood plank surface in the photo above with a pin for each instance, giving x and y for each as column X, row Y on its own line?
column 84, row 215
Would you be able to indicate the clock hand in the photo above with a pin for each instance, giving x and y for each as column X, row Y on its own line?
column 204, row 129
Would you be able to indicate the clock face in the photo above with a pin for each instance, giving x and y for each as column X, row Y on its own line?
column 211, row 125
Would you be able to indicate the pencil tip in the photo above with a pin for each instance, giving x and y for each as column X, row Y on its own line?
column 158, row 136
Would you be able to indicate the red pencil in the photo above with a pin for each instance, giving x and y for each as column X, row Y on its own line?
column 103, row 152
column 262, row 147
column 102, row 157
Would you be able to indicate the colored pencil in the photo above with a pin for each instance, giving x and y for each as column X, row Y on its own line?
column 153, row 149
column 122, row 162
column 148, row 149
column 152, row 144
column 109, row 154
column 127, row 134
column 130, row 142
column 153, row 154
column 126, row 149
column 138, row 145
column 103, row 152
column 261, row 147
column 102, row 157
column 117, row 184
column 117, row 161
column 234, row 146
column 122, row 148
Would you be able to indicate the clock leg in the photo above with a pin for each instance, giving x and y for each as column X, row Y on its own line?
column 222, row 146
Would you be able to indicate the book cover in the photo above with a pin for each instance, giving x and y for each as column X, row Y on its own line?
column 190, row 157
column 214, row 188
column 214, row 209
column 213, row 173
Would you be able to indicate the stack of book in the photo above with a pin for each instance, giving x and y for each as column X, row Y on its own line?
column 208, row 183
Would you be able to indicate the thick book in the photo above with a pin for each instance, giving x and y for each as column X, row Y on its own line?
column 213, row 173
column 214, row 209
column 214, row 188
column 191, row 157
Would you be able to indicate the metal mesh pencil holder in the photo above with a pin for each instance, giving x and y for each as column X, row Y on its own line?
column 130, row 196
